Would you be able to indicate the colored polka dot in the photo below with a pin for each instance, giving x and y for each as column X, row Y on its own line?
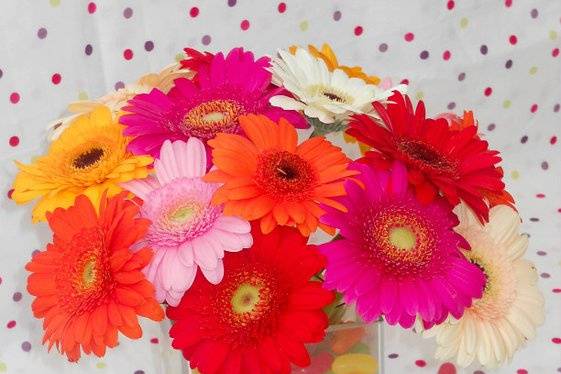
column 553, row 140
column 534, row 108
column 82, row 95
column 447, row 368
column 451, row 105
column 513, row 39
column 508, row 64
column 358, row 30
column 421, row 363
column 409, row 37
column 128, row 54
column 337, row 15
column 478, row 372
column 534, row 13
column 11, row 324
column 42, row 33
column 521, row 371
column 461, row 76
column 149, row 45
column 92, row 7
column 404, row 81
column 26, row 346
column 556, row 290
column 139, row 372
column 14, row 141
column 491, row 127
column 244, row 25
column 16, row 296
column 304, row 25
column 383, row 47
column 101, row 365
column 541, row 253
column 206, row 40
column 119, row 85
column 533, row 70
column 464, row 22
column 545, row 275
column 419, row 95
column 54, row 3
column 88, row 49
column 194, row 11
column 446, row 55
column 450, row 4
column 127, row 12
column 3, row 367
column 393, row 355
column 515, row 174
column 56, row 78
column 232, row 3
column 545, row 165
column 507, row 104
column 508, row 3
column 524, row 139
column 10, row 192
column 1, row 73
column 483, row 49
column 552, row 34
column 281, row 7
column 488, row 91
column 424, row 55
column 555, row 52
column 14, row 98
column 154, row 341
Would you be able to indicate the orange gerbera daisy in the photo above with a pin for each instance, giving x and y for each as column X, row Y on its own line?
column 268, row 176
column 88, row 283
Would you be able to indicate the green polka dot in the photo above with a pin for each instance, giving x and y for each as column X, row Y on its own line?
column 304, row 25
column 515, row 174
column 464, row 22
column 54, row 2
column 101, row 365
column 3, row 367
column 179, row 57
column 552, row 34
column 83, row 95
column 533, row 70
column 506, row 104
column 419, row 95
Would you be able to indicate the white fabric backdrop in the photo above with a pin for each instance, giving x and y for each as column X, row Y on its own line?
column 519, row 115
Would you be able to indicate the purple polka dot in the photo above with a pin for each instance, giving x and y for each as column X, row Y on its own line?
column 545, row 275
column 42, row 33
column 88, row 50
column 461, row 76
column 149, row 45
column 534, row 219
column 393, row 355
column 534, row 13
column 231, row 2
column 17, row 296
column 206, row 40
column 559, row 370
column 1, row 73
column 541, row 253
column 451, row 105
column 555, row 107
column 26, row 346
column 478, row 372
column 142, row 371
column 491, row 127
column 508, row 64
column 127, row 13
column 424, row 55
column 524, row 139
column 483, row 49
column 545, row 165
column 337, row 15
column 35, row 252
column 383, row 47
column 119, row 85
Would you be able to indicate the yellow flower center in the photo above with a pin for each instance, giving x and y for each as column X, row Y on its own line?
column 208, row 118
column 89, row 274
column 245, row 298
column 402, row 238
column 184, row 213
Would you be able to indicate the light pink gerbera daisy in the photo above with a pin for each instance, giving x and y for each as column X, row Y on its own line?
column 397, row 257
column 225, row 88
column 187, row 231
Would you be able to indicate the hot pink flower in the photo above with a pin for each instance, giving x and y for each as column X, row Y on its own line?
column 187, row 231
column 397, row 257
column 225, row 88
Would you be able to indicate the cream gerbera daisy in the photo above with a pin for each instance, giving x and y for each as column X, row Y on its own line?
column 330, row 96
column 115, row 100
column 499, row 323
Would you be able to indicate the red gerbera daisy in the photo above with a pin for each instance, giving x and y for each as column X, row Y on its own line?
column 259, row 317
column 454, row 162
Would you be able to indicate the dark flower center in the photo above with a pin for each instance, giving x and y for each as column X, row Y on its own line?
column 333, row 97
column 88, row 158
column 425, row 155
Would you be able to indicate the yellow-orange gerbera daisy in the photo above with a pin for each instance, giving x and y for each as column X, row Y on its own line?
column 268, row 176
column 90, row 157
column 330, row 59
column 88, row 283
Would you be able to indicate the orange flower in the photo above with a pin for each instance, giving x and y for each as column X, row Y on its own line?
column 88, row 283
column 268, row 176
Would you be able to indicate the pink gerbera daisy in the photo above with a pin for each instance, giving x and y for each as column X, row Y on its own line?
column 187, row 231
column 225, row 88
column 397, row 257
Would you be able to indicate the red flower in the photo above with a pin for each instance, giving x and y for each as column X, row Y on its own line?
column 196, row 60
column 259, row 317
column 440, row 159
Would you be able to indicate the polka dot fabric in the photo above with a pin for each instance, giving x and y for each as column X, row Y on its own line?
column 498, row 58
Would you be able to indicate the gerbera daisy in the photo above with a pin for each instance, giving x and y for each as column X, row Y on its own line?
column 228, row 88
column 499, row 323
column 397, row 257
column 88, row 283
column 329, row 96
column 259, row 317
column 268, row 177
column 115, row 100
column 330, row 59
column 187, row 232
column 90, row 157
column 455, row 163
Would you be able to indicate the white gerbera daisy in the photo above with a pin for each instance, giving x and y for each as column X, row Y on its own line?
column 499, row 323
column 115, row 100
column 328, row 96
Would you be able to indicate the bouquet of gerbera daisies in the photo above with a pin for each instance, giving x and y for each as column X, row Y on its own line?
column 192, row 190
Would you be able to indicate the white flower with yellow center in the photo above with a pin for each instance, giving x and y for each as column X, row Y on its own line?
column 330, row 96
column 499, row 323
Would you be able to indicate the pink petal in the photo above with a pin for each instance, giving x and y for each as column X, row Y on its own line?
column 215, row 275
column 232, row 224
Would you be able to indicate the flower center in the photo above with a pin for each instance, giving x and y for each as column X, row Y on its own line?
column 245, row 298
column 88, row 158
column 285, row 175
column 333, row 97
column 185, row 213
column 211, row 117
column 402, row 238
column 425, row 155
column 89, row 274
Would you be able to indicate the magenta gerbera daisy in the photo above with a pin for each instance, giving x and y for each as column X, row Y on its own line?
column 397, row 257
column 228, row 87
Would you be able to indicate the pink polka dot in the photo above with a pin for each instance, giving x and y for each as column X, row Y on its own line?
column 540, row 195
column 450, row 4
column 194, row 11
column 92, row 8
column 127, row 54
column 154, row 341
column 488, row 91
column 404, row 81
column 512, row 39
column 14, row 98
column 358, row 30
column 556, row 290
column 421, row 363
column 409, row 37
column 11, row 324
column 244, row 25
column 555, row 52
column 508, row 3
column 521, row 371
column 447, row 368
column 14, row 141
column 446, row 55
column 10, row 193
column 281, row 8
column 534, row 108
column 556, row 340
column 56, row 78
column 553, row 140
